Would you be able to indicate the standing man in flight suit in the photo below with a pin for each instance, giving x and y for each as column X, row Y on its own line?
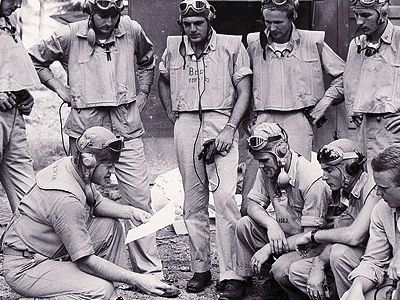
column 205, row 89
column 371, row 89
column 17, row 74
column 288, row 84
column 98, row 55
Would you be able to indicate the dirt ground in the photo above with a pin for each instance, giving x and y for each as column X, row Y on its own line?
column 43, row 131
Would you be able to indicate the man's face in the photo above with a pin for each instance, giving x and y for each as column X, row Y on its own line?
column 269, row 165
column 387, row 188
column 196, row 28
column 105, row 23
column 367, row 20
column 333, row 177
column 278, row 25
column 102, row 174
column 9, row 6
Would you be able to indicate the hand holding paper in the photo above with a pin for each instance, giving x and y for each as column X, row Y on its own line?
column 160, row 219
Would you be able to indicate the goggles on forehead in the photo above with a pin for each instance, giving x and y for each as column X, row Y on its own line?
column 258, row 142
column 113, row 145
column 276, row 2
column 368, row 3
column 197, row 5
column 107, row 4
column 333, row 155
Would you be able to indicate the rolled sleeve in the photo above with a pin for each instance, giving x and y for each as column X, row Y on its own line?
column 56, row 48
column 69, row 223
column 378, row 253
column 164, row 64
column 258, row 192
column 334, row 66
column 316, row 199
column 144, row 51
column 242, row 65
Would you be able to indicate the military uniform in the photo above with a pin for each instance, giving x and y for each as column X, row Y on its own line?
column 16, row 74
column 51, row 230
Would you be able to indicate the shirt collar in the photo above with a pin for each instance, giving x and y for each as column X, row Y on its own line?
column 71, row 168
column 386, row 37
column 211, row 46
column 355, row 193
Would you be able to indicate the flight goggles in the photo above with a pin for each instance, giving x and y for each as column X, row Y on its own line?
column 368, row 3
column 276, row 2
column 107, row 4
column 256, row 143
column 197, row 5
column 333, row 155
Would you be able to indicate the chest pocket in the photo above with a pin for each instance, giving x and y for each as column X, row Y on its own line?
column 286, row 215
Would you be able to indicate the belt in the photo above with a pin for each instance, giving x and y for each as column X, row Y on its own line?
column 14, row 252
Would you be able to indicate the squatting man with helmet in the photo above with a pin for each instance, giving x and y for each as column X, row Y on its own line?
column 204, row 86
column 63, row 226
column 288, row 83
column 379, row 270
column 17, row 74
column 299, row 196
column 353, row 191
column 98, row 56
column 372, row 95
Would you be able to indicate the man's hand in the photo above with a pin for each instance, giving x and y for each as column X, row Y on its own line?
column 25, row 106
column 317, row 112
column 151, row 284
column 315, row 283
column 394, row 267
column 259, row 258
column 171, row 115
column 393, row 123
column 7, row 101
column 137, row 216
column 302, row 243
column 277, row 239
column 224, row 140
column 141, row 100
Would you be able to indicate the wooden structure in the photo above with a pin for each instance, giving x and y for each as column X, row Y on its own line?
column 158, row 18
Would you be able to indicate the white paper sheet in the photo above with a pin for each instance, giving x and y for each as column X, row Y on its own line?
column 164, row 217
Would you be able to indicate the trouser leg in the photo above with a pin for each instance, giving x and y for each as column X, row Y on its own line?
column 343, row 260
column 57, row 280
column 250, row 173
column 227, row 212
column 280, row 270
column 299, row 272
column 377, row 137
column 195, row 185
column 107, row 237
column 250, row 237
column 132, row 175
column 16, row 166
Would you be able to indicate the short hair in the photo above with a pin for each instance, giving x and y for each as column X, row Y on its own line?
column 388, row 160
column 288, row 8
